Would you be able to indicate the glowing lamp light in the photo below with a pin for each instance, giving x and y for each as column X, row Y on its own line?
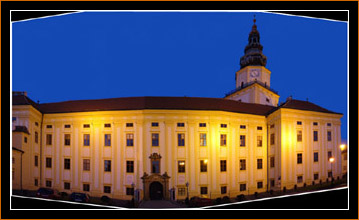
column 342, row 146
column 205, row 161
column 331, row 159
column 181, row 163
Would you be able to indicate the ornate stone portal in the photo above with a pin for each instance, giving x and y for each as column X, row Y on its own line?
column 155, row 186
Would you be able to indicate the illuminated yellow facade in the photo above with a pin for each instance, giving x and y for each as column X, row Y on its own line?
column 177, row 147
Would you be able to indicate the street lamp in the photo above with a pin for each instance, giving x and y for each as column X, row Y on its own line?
column 342, row 147
column 331, row 160
column 133, row 188
column 187, row 184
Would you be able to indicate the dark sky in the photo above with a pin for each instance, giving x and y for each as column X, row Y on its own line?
column 95, row 55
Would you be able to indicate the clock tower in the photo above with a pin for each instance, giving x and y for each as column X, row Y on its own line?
column 253, row 79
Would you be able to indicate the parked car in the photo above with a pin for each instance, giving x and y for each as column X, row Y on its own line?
column 79, row 197
column 48, row 193
column 200, row 202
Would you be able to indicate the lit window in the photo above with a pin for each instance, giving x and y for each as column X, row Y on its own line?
column 259, row 141
column 67, row 139
column 203, row 165
column 181, row 166
column 242, row 164
column 181, row 140
column 223, row 164
column 86, row 164
column 329, row 154
column 203, row 139
column 129, row 140
column 107, row 140
column 223, row 140
column 107, row 165
column 155, row 139
column 48, row 139
column 67, row 164
column 86, row 140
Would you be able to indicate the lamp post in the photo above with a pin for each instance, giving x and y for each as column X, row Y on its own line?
column 331, row 160
column 187, row 184
column 342, row 147
column 133, row 194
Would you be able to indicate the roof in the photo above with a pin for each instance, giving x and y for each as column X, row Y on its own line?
column 303, row 105
column 138, row 103
column 21, row 99
column 21, row 129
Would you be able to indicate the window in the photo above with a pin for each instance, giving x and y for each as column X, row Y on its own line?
column 181, row 166
column 242, row 127
column 202, row 125
column 129, row 140
column 86, row 126
column 272, row 126
column 36, row 137
column 223, row 189
column 299, row 136
column 259, row 141
column 315, row 135
column 272, row 182
column 107, row 125
column 242, row 139
column 316, row 176
column 155, row 166
column 259, row 185
column 242, row 164
column 203, row 165
column 48, row 126
column 48, row 183
column 180, row 124
column 48, row 162
column 129, row 125
column 329, row 124
column 315, row 123
column 107, row 189
column 299, row 179
column 329, row 135
column 130, row 191
column 203, row 139
column 223, row 164
column 272, row 162
column 86, row 187
column 242, row 187
column 330, row 174
column 25, row 139
column 36, row 124
column 315, row 157
column 155, row 139
column 13, row 118
column 36, row 161
column 36, row 182
column 154, row 124
column 107, row 165
column 67, row 139
column 204, row 190
column 272, row 137
column 86, row 140
column 107, row 140
column 299, row 158
column 223, row 140
column 329, row 154
column 259, row 128
column 181, row 191
column 86, row 164
column 223, row 125
column 129, row 166
column 48, row 139
column 259, row 164
column 299, row 123
column 66, row 185
column 180, row 138
column 67, row 126
column 67, row 164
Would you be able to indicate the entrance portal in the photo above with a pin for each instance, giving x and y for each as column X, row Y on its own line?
column 156, row 191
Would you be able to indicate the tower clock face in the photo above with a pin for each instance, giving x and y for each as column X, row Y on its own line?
column 254, row 73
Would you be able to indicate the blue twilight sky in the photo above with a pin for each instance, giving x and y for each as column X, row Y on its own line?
column 95, row 55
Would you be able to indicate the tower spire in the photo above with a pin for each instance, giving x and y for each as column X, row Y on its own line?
column 253, row 55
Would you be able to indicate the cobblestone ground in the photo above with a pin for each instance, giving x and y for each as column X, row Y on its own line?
column 155, row 204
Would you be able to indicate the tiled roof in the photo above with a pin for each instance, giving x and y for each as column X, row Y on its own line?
column 21, row 129
column 23, row 100
column 137, row 103
column 303, row 105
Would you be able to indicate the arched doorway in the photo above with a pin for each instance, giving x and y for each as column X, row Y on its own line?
column 156, row 191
